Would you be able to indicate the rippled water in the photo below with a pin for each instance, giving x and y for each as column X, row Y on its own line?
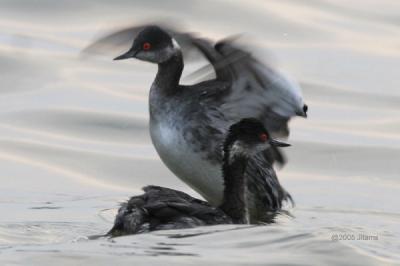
column 74, row 138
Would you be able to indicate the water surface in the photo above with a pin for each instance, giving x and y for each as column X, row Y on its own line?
column 74, row 139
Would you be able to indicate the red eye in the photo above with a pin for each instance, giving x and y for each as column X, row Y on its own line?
column 263, row 137
column 146, row 46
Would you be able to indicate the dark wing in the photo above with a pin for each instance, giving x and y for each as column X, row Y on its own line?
column 256, row 89
column 166, row 203
column 260, row 91
column 161, row 208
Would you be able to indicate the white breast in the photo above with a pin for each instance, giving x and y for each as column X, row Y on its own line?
column 186, row 164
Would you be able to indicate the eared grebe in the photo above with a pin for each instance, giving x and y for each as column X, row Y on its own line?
column 162, row 208
column 188, row 123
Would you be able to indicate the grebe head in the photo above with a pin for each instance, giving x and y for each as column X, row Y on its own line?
column 153, row 45
column 249, row 137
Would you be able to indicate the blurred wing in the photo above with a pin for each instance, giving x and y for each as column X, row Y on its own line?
column 256, row 89
column 260, row 91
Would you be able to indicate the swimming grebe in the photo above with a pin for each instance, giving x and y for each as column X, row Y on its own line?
column 188, row 123
column 162, row 208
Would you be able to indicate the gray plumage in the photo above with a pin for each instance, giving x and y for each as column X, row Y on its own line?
column 162, row 208
column 188, row 123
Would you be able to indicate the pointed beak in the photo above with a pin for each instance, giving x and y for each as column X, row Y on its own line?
column 131, row 53
column 277, row 143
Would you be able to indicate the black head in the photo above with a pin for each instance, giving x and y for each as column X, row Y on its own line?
column 152, row 44
column 248, row 137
